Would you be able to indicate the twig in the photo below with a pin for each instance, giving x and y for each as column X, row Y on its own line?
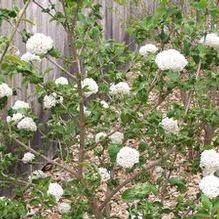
column 15, row 30
column 127, row 181
column 67, row 168
column 61, row 68
column 134, row 176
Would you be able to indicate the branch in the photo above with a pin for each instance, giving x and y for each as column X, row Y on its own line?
column 127, row 181
column 65, row 167
column 15, row 29
column 134, row 176
column 61, row 68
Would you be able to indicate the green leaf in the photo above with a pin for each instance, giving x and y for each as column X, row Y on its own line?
column 179, row 183
column 139, row 191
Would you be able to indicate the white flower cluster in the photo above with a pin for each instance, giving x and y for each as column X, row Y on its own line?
column 29, row 57
column 127, row 157
column 52, row 100
column 27, row 124
column 209, row 185
column 117, row 138
column 5, row 90
column 61, row 81
column 171, row 59
column 19, row 104
column 23, row 122
column 56, row 190
column 64, row 207
column 16, row 117
column 211, row 40
column 37, row 174
column 122, row 88
column 39, row 44
column 104, row 174
column 28, row 157
column 209, row 162
column 148, row 48
column 170, row 125
column 90, row 85
column 99, row 136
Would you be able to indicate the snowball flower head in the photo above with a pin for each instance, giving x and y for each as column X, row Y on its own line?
column 37, row 174
column 209, row 185
column 209, row 162
column 64, row 207
column 148, row 48
column 104, row 174
column 99, row 136
column 170, row 125
column 171, row 59
column 104, row 104
column 56, row 190
column 5, row 90
column 16, row 117
column 90, row 85
column 122, row 88
column 51, row 100
column 61, row 81
column 27, row 124
column 211, row 40
column 127, row 157
column 116, row 138
column 39, row 44
column 29, row 57
column 28, row 157
column 19, row 104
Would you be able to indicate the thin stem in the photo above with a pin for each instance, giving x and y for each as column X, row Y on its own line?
column 61, row 68
column 65, row 167
column 21, row 14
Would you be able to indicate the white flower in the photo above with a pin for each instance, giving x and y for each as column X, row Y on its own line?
column 104, row 104
column 99, row 136
column 148, row 48
column 122, row 88
column 5, row 90
column 170, row 125
column 90, row 85
column 19, row 104
column 39, row 44
column 16, row 117
column 104, row 173
column 171, row 59
column 29, row 57
column 127, row 157
column 56, row 190
column 51, row 100
column 211, row 40
column 64, row 207
column 27, row 124
column 117, row 138
column 209, row 185
column 61, row 81
column 209, row 162
column 37, row 174
column 28, row 157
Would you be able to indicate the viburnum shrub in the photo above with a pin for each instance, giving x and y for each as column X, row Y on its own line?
column 108, row 95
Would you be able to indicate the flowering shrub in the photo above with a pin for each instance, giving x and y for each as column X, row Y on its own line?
column 118, row 129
